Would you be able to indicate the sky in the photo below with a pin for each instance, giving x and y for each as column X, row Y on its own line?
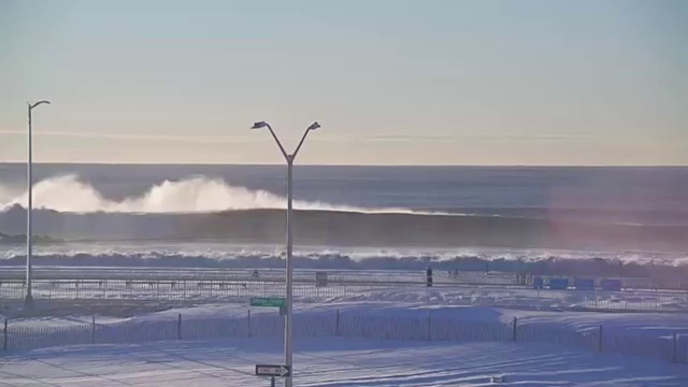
column 589, row 82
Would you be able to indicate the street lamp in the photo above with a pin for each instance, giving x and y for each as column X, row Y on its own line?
column 29, row 181
column 288, row 351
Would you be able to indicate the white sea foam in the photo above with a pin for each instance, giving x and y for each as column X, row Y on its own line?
column 107, row 254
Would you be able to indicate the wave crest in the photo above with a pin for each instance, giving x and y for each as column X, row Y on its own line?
column 193, row 195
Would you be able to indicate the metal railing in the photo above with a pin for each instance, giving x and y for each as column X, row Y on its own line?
column 305, row 290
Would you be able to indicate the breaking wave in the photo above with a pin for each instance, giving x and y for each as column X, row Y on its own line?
column 194, row 195
column 210, row 210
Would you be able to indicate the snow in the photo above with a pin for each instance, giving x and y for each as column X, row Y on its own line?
column 332, row 362
column 453, row 344
column 659, row 323
column 655, row 324
column 455, row 294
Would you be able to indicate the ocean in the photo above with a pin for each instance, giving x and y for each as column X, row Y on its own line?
column 349, row 216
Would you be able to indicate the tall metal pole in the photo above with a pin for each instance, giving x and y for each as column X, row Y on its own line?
column 288, row 350
column 28, row 302
column 29, row 181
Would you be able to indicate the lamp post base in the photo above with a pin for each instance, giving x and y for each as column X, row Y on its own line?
column 28, row 301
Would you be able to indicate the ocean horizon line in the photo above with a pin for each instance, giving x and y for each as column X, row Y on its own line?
column 482, row 166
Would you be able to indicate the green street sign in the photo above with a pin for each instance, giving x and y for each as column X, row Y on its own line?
column 268, row 301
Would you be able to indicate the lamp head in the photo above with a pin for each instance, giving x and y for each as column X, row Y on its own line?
column 259, row 125
column 314, row 126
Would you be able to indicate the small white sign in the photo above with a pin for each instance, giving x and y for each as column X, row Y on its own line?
column 272, row 370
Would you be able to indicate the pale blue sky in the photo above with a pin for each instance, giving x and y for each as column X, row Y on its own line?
column 392, row 82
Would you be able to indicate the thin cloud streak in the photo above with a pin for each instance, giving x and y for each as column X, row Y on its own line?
column 378, row 138
column 137, row 137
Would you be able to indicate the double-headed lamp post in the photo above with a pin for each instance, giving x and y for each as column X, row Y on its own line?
column 29, row 207
column 288, row 352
